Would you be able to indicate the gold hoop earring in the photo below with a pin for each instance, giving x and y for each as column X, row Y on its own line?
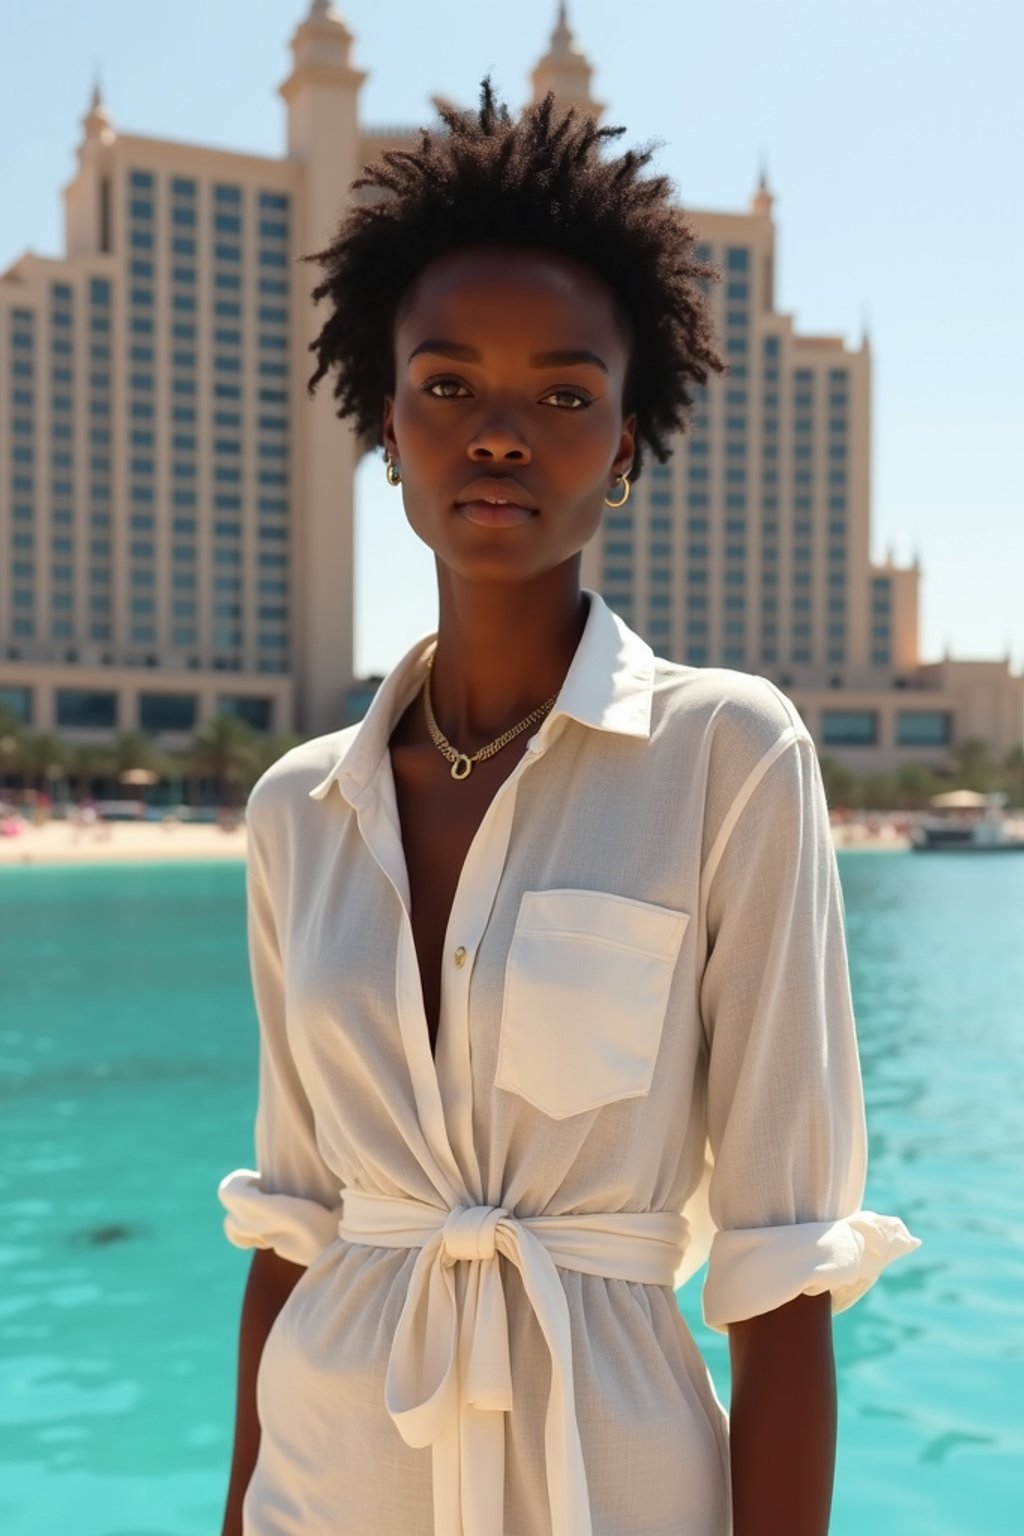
column 393, row 473
column 625, row 498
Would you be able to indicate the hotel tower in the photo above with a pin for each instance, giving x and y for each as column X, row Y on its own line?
column 176, row 517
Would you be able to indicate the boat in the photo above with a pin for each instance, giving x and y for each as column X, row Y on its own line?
column 965, row 821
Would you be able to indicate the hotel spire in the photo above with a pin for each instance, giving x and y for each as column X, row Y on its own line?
column 763, row 199
column 565, row 70
column 98, row 125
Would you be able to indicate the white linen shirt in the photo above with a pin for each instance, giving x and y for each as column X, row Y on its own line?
column 646, row 1050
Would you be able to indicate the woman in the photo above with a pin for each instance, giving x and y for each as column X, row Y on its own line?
column 548, row 949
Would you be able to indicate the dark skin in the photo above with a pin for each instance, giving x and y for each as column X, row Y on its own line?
column 511, row 616
column 511, row 608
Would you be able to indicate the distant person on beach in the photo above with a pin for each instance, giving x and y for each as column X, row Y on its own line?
column 547, row 951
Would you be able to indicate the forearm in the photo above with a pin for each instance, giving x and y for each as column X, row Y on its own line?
column 270, row 1283
column 783, row 1420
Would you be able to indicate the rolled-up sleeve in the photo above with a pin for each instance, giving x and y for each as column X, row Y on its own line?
column 291, row 1200
column 785, row 1106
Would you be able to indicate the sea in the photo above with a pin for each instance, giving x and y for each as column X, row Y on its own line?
column 127, row 1087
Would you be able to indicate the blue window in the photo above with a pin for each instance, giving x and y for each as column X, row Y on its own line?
column 227, row 196
column 274, row 200
column 273, row 285
column 167, row 711
column 227, row 224
column 141, row 208
column 183, row 218
column 183, row 245
column 182, row 186
column 81, row 707
column 849, row 727
column 99, row 292
column 224, row 252
column 227, row 280
column 737, row 258
column 270, row 258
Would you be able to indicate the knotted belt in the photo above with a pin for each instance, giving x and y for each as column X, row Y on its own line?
column 449, row 1377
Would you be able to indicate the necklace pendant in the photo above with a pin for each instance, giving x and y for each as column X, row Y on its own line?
column 462, row 766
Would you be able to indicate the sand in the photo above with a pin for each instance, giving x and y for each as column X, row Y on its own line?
column 120, row 842
column 126, row 842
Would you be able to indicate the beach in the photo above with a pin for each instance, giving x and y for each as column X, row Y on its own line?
column 126, row 842
column 120, row 842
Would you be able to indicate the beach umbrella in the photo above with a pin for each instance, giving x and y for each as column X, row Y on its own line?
column 137, row 776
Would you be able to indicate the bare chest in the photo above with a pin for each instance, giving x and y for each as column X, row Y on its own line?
column 439, row 819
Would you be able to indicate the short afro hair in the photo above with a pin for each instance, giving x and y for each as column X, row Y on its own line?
column 536, row 181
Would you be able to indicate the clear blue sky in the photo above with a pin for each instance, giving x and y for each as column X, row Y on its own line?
column 892, row 134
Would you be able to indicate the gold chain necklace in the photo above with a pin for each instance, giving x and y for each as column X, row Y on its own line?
column 462, row 766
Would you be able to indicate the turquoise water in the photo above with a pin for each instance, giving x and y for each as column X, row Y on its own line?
column 127, row 1080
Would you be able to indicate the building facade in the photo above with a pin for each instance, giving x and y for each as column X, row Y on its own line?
column 177, row 517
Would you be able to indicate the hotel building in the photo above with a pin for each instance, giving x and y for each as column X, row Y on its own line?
column 176, row 517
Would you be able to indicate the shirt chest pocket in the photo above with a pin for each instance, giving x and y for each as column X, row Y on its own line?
column 586, row 991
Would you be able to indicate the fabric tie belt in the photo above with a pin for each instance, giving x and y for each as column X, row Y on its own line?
column 449, row 1377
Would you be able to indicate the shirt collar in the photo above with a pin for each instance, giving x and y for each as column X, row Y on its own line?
column 609, row 687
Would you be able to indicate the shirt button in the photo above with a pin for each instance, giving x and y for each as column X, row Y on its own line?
column 460, row 957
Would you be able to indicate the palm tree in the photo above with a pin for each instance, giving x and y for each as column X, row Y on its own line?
column 42, row 756
column 226, row 748
column 1012, row 774
column 86, row 762
column 915, row 783
column 840, row 783
column 12, row 735
column 270, row 748
column 971, row 762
